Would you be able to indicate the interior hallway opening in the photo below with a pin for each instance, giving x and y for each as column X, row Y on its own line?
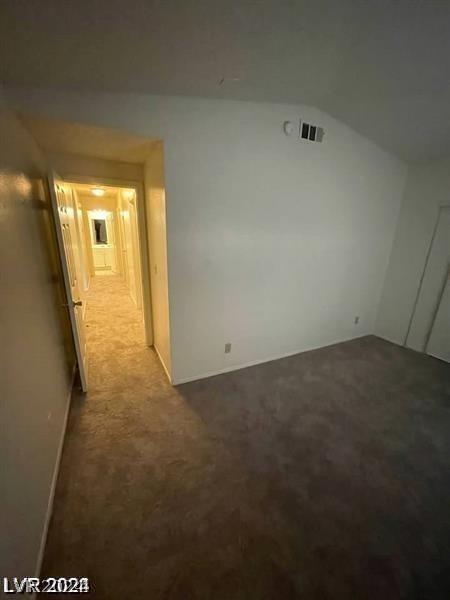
column 103, row 251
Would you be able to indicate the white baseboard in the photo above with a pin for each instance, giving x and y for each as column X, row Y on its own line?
column 163, row 364
column 263, row 360
column 51, row 497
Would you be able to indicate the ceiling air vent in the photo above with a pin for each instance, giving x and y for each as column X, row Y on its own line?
column 311, row 133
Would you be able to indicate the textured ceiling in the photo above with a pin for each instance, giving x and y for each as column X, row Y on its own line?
column 381, row 66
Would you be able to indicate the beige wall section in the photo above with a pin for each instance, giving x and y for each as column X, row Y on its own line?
column 84, row 166
column 156, row 226
column 35, row 374
column 427, row 189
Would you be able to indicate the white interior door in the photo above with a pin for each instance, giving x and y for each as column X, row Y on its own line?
column 63, row 212
column 128, row 253
column 136, row 253
column 111, row 253
column 126, row 274
column 439, row 341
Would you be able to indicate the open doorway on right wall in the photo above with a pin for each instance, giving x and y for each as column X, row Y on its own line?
column 430, row 323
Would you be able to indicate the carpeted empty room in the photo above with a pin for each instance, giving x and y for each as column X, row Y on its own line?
column 321, row 475
column 225, row 299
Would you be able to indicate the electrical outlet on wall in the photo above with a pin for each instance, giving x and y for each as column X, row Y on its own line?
column 228, row 348
column 356, row 320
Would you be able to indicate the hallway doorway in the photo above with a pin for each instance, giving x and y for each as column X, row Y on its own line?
column 429, row 330
column 105, row 258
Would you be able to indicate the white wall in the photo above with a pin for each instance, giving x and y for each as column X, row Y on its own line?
column 428, row 188
column 156, row 228
column 274, row 245
column 35, row 372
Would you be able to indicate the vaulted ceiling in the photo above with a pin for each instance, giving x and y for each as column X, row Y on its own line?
column 381, row 66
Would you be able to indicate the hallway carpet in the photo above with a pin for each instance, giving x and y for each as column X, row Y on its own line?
column 320, row 476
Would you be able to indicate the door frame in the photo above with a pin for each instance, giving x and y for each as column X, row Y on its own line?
column 76, row 323
column 138, row 187
column 436, row 311
column 439, row 212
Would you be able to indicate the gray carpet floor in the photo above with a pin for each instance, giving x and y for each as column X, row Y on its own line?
column 320, row 476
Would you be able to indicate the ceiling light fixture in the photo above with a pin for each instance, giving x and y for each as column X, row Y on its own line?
column 99, row 214
column 97, row 192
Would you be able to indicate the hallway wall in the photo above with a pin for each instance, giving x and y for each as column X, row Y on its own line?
column 36, row 358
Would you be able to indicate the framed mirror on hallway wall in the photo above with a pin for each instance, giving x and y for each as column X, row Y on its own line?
column 100, row 231
column 105, row 253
